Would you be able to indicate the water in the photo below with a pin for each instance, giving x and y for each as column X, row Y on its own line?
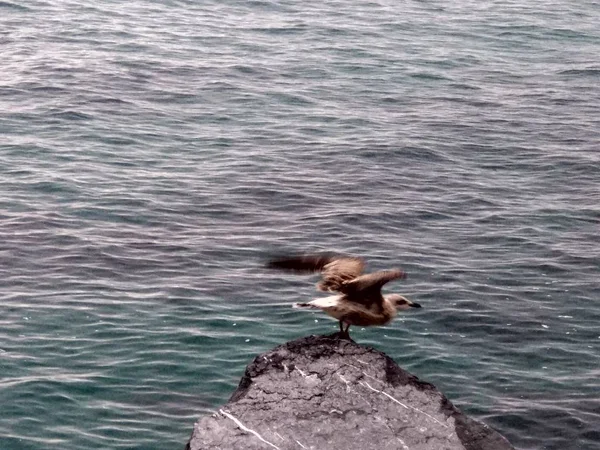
column 153, row 154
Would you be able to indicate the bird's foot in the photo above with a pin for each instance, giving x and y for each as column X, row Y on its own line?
column 340, row 335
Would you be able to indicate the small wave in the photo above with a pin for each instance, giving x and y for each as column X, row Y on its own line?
column 70, row 115
column 589, row 72
column 10, row 5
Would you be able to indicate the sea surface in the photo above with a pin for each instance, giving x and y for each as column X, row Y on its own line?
column 154, row 154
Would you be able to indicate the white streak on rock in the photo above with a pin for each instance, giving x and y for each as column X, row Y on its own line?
column 381, row 392
column 300, row 444
column 400, row 403
column 348, row 389
column 245, row 428
column 404, row 446
column 370, row 376
column 301, row 372
column 361, row 361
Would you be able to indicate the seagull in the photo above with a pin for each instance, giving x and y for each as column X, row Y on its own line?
column 358, row 299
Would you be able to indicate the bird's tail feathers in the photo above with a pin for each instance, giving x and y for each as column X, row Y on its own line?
column 323, row 303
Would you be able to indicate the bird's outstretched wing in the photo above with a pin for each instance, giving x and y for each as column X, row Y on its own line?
column 335, row 270
column 366, row 289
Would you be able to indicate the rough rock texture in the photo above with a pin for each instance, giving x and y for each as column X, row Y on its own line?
column 327, row 393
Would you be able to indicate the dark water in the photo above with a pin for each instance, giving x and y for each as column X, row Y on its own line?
column 154, row 153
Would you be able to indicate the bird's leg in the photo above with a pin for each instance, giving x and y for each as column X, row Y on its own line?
column 344, row 331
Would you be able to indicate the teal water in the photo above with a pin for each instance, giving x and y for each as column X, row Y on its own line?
column 154, row 153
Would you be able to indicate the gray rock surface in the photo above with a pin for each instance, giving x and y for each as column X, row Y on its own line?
column 327, row 393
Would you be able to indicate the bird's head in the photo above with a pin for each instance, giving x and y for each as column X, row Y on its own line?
column 401, row 302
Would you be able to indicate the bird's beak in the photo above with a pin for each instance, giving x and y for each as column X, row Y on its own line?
column 414, row 305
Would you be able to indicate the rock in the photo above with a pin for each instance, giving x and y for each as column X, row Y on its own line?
column 327, row 393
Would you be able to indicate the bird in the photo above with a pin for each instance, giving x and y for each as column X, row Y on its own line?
column 358, row 299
